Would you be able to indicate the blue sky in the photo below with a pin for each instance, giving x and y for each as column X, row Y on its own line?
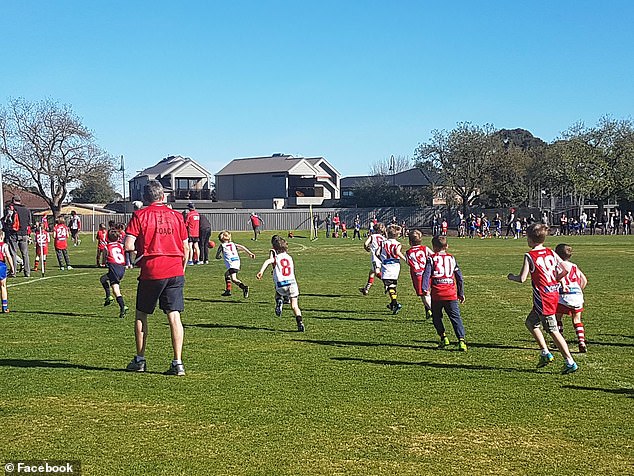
column 353, row 81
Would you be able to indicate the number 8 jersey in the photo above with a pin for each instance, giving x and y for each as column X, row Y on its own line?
column 283, row 270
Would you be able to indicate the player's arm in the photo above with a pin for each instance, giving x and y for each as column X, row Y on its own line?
column 583, row 281
column 427, row 275
column 219, row 251
column 185, row 252
column 521, row 277
column 366, row 243
column 7, row 256
column 263, row 267
column 130, row 242
column 245, row 249
column 399, row 253
column 562, row 270
column 459, row 283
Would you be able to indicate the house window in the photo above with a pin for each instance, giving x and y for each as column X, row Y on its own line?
column 347, row 193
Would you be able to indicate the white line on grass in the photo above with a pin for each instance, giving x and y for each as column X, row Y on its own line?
column 31, row 281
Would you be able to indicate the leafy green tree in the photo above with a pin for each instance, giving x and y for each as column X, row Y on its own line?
column 48, row 149
column 96, row 187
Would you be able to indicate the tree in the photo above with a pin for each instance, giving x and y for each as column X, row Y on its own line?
column 379, row 192
column 464, row 158
column 391, row 166
column 598, row 162
column 49, row 149
column 96, row 187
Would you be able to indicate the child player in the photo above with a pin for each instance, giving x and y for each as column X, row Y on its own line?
column 229, row 252
column 545, row 269
column 5, row 257
column 372, row 244
column 115, row 260
column 571, row 295
column 417, row 259
column 102, row 241
column 447, row 288
column 391, row 255
column 284, row 278
column 42, row 239
column 60, row 241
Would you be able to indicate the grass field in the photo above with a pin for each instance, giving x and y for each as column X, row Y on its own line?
column 360, row 392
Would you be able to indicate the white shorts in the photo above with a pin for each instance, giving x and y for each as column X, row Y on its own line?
column 290, row 290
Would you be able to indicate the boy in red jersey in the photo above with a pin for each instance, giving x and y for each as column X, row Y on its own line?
column 61, row 233
column 417, row 259
column 571, row 295
column 372, row 245
column 545, row 269
column 102, row 241
column 5, row 257
column 159, row 236
column 42, row 239
column 443, row 278
column 115, row 258
column 192, row 222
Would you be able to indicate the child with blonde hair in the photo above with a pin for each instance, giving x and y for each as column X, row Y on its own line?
column 229, row 251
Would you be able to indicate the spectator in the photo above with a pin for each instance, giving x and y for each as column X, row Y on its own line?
column 205, row 235
column 74, row 224
column 256, row 223
column 16, row 224
column 159, row 236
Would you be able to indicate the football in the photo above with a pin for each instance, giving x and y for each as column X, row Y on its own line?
column 212, row 244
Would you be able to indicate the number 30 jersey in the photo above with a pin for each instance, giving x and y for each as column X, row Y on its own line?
column 283, row 270
column 446, row 278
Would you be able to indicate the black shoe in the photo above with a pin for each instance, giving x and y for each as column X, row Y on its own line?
column 300, row 327
column 396, row 308
column 226, row 293
column 278, row 307
column 245, row 292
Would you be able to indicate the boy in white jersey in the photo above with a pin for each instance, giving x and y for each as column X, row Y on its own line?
column 229, row 252
column 390, row 255
column 284, row 278
column 373, row 244
column 571, row 295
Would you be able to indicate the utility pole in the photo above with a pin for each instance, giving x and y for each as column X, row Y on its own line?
column 122, row 170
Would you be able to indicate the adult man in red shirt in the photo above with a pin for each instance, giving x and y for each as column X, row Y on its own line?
column 192, row 222
column 256, row 223
column 159, row 236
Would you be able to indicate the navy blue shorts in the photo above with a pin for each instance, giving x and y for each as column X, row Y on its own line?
column 115, row 273
column 168, row 292
column 3, row 270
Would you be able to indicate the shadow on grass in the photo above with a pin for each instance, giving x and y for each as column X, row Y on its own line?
column 435, row 365
column 335, row 318
column 226, row 301
column 322, row 295
column 344, row 343
column 617, row 335
column 59, row 313
column 239, row 327
column 57, row 364
column 608, row 344
column 629, row 392
column 484, row 345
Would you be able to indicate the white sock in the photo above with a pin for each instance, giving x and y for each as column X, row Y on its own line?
column 139, row 358
column 545, row 352
column 177, row 362
column 570, row 361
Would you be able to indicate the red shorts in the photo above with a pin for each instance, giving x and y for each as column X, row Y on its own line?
column 417, row 281
column 567, row 311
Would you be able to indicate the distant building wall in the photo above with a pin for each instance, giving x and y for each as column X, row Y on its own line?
column 251, row 187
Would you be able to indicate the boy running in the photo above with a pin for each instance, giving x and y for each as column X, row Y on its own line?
column 417, row 259
column 229, row 252
column 60, row 241
column 447, row 289
column 571, row 295
column 372, row 245
column 284, row 278
column 115, row 259
column 544, row 267
column 390, row 255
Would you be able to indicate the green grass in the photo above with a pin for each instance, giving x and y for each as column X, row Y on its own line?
column 361, row 392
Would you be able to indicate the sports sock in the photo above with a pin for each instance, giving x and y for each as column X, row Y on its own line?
column 241, row 285
column 228, row 285
column 570, row 361
column 392, row 293
column 5, row 305
column 545, row 352
column 298, row 319
column 581, row 333
column 120, row 302
column 139, row 358
column 106, row 285
column 177, row 362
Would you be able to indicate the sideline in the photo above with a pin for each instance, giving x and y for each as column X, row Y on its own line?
column 30, row 281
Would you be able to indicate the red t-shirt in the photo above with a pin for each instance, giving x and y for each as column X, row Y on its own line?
column 255, row 220
column 115, row 253
column 193, row 224
column 544, row 267
column 160, row 233
column 102, row 239
column 60, row 236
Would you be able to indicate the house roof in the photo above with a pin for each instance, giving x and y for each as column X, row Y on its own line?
column 408, row 178
column 29, row 200
column 169, row 165
column 271, row 164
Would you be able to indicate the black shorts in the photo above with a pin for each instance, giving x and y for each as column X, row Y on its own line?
column 115, row 273
column 73, row 232
column 232, row 271
column 390, row 283
column 193, row 239
column 168, row 292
